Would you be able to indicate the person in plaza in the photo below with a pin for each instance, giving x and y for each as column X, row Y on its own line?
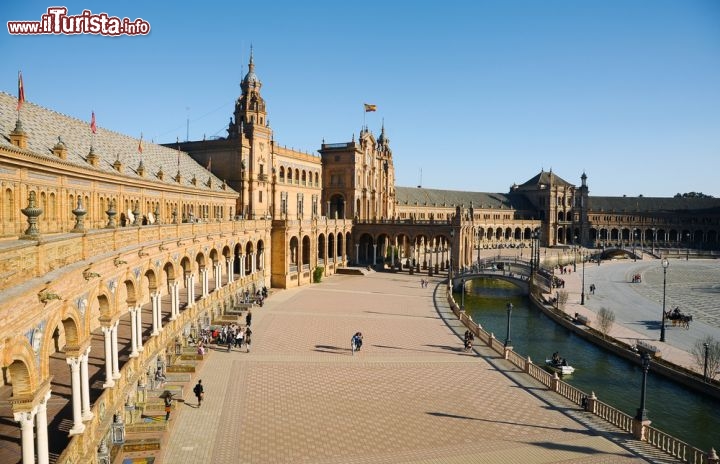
column 168, row 405
column 248, row 340
column 199, row 392
column 201, row 348
column 248, row 318
column 358, row 337
column 159, row 377
column 239, row 338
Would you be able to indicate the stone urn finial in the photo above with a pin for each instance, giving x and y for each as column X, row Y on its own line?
column 157, row 214
column 79, row 213
column 32, row 212
column 111, row 213
column 136, row 213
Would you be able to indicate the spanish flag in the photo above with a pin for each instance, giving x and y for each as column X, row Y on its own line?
column 21, row 91
column 93, row 126
column 369, row 108
column 140, row 145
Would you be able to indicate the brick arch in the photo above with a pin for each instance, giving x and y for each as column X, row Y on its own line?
column 24, row 373
column 152, row 279
column 169, row 270
column 131, row 296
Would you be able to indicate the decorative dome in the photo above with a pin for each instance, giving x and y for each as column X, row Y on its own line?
column 250, row 78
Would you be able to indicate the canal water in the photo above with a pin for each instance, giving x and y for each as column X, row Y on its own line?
column 672, row 408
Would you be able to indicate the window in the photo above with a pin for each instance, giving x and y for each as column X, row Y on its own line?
column 260, row 196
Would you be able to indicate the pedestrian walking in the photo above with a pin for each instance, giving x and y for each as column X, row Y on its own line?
column 168, row 405
column 248, row 318
column 199, row 392
column 248, row 340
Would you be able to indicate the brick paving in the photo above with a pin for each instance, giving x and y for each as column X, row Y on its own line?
column 410, row 396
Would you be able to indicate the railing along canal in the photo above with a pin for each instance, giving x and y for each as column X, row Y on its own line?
column 658, row 439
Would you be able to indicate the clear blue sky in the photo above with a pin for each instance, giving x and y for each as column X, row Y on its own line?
column 477, row 94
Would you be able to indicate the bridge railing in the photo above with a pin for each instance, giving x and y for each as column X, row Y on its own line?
column 658, row 439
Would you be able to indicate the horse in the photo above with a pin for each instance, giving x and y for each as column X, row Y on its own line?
column 685, row 321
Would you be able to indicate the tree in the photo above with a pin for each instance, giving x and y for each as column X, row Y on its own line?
column 318, row 274
column 605, row 320
column 713, row 355
column 692, row 195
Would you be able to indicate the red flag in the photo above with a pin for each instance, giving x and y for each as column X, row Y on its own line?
column 21, row 91
column 140, row 145
column 93, row 126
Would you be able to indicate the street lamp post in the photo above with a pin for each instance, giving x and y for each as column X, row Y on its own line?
column 452, row 235
column 634, row 239
column 705, row 375
column 665, row 264
column 687, row 246
column 582, row 292
column 509, row 312
column 462, row 294
column 641, row 412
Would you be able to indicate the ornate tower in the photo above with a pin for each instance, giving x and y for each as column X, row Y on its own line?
column 251, row 126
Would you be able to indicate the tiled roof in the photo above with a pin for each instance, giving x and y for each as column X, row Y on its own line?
column 452, row 198
column 545, row 177
column 651, row 204
column 44, row 126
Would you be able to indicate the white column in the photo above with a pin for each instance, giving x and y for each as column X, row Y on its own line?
column 42, row 431
column 78, row 427
column 190, row 287
column 85, row 386
column 218, row 276
column 133, row 333
column 116, row 364
column 242, row 265
column 253, row 262
column 26, row 419
column 204, row 274
column 173, row 300
column 262, row 259
column 109, row 382
column 138, row 326
column 155, row 303
column 357, row 253
column 230, row 276
column 374, row 254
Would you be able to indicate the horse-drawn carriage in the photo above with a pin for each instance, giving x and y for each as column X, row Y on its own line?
column 678, row 318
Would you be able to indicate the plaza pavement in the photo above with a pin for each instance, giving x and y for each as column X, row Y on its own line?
column 410, row 396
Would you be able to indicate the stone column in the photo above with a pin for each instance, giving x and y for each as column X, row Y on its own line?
column 218, row 276
column 204, row 280
column 357, row 253
column 85, row 386
column 374, row 254
column 109, row 382
column 189, row 286
column 253, row 262
column 78, row 427
column 242, row 265
column 133, row 332
column 174, row 300
column 43, row 454
column 262, row 259
column 116, row 365
column 138, row 326
column 229, row 264
column 26, row 419
column 155, row 303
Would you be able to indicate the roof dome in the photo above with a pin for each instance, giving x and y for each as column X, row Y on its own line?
column 250, row 78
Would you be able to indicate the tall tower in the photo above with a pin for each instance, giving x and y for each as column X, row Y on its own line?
column 251, row 126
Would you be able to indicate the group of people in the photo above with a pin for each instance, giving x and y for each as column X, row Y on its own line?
column 356, row 342
column 558, row 360
column 260, row 296
column 423, row 283
column 469, row 338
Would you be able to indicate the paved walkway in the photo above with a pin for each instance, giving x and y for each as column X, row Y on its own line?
column 410, row 396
